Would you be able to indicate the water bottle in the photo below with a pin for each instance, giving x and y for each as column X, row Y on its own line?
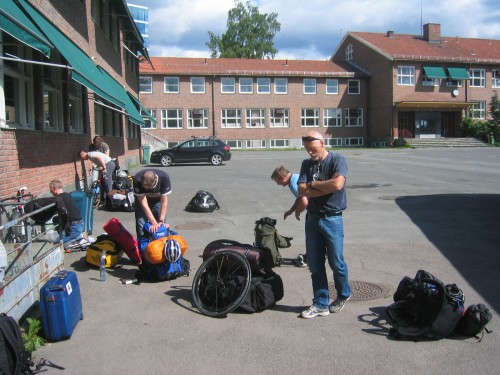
column 103, row 266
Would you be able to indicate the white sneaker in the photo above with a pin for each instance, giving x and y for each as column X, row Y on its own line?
column 314, row 311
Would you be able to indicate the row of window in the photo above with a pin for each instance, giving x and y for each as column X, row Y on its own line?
column 256, row 118
column 245, row 85
column 406, row 77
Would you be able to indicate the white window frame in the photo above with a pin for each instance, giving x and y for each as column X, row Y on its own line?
column 353, row 117
column 245, row 85
column 429, row 82
column 171, row 85
column 332, row 117
column 353, row 87
column 477, row 77
column 453, row 82
column 237, row 144
column 227, row 85
column 171, row 116
column 230, row 118
column 279, row 118
column 263, row 85
column 478, row 110
column 148, row 124
column 255, row 118
column 309, row 86
column 197, row 121
column 279, row 143
column 354, row 141
column 495, row 78
column 281, row 86
column 406, row 75
column 145, row 85
column 255, row 143
column 333, row 142
column 332, row 87
column 349, row 52
column 309, row 117
column 197, row 85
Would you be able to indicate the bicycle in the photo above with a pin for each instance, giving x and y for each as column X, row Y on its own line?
column 96, row 186
column 13, row 208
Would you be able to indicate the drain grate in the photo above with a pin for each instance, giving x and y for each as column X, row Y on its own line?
column 194, row 225
column 361, row 291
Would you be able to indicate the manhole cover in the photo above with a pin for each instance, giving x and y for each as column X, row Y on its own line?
column 361, row 291
column 194, row 225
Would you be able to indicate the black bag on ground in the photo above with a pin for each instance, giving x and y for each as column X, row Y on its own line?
column 14, row 358
column 425, row 308
column 264, row 292
column 36, row 204
column 267, row 237
column 474, row 320
column 203, row 201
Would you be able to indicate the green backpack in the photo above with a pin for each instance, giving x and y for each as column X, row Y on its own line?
column 267, row 237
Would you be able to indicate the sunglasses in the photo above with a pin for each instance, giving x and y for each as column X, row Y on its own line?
column 310, row 139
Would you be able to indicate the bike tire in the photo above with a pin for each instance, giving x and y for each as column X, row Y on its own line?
column 221, row 283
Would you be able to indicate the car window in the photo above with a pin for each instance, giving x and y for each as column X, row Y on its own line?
column 188, row 144
column 203, row 143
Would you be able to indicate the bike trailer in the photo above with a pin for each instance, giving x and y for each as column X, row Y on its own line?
column 85, row 202
column 61, row 305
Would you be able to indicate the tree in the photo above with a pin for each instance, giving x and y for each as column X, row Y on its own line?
column 249, row 34
column 493, row 125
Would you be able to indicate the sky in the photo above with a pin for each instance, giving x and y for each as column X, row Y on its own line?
column 313, row 29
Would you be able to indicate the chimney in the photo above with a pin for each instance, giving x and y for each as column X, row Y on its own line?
column 432, row 32
column 390, row 34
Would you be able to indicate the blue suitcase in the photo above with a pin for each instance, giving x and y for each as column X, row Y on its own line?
column 85, row 202
column 61, row 305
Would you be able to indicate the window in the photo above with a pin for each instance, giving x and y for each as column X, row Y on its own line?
column 103, row 15
column 353, row 117
column 279, row 143
column 478, row 110
column 148, row 124
column 353, row 87
column 235, row 144
column 309, row 117
column 171, row 118
column 333, row 142
column 255, row 143
column 309, row 86
column 171, row 85
column 429, row 81
column 332, row 86
column 280, row 85
column 263, row 85
column 354, row 141
column 145, row 85
column 246, row 85
column 332, row 117
column 349, row 52
column 406, row 75
column 278, row 117
column 197, row 85
column 52, row 99
column 227, row 85
column 453, row 82
column 255, row 118
column 17, row 86
column 75, row 107
column 477, row 78
column 231, row 118
column 495, row 78
column 197, row 119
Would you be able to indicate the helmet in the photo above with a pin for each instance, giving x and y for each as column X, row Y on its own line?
column 181, row 241
column 122, row 174
column 172, row 250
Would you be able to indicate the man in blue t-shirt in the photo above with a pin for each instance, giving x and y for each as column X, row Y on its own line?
column 151, row 190
column 284, row 177
column 322, row 179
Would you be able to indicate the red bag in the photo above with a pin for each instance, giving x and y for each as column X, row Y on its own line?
column 128, row 243
column 258, row 258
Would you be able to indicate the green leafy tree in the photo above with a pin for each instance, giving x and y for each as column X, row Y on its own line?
column 493, row 125
column 249, row 34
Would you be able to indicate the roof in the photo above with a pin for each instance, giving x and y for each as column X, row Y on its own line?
column 414, row 47
column 235, row 66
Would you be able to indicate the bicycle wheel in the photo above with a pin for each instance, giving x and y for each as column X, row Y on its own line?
column 221, row 283
column 96, row 192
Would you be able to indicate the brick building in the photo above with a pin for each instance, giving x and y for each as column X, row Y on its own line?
column 68, row 71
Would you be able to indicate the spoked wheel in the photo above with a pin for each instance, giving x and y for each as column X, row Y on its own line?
column 96, row 192
column 221, row 283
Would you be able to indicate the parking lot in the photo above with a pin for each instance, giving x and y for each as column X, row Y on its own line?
column 408, row 209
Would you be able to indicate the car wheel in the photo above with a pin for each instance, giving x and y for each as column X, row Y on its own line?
column 166, row 160
column 216, row 159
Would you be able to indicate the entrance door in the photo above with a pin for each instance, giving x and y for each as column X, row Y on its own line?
column 427, row 124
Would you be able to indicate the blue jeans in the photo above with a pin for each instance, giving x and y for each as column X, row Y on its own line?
column 75, row 231
column 325, row 237
column 140, row 218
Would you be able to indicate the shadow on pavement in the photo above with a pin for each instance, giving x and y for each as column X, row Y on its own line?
column 466, row 229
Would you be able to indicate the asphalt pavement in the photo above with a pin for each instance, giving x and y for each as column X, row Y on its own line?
column 408, row 209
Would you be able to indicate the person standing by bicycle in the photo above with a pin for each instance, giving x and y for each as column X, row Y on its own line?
column 151, row 190
column 105, row 164
column 70, row 218
column 98, row 144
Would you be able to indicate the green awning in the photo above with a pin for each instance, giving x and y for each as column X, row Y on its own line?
column 458, row 73
column 137, row 102
column 84, row 70
column 434, row 72
column 14, row 22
